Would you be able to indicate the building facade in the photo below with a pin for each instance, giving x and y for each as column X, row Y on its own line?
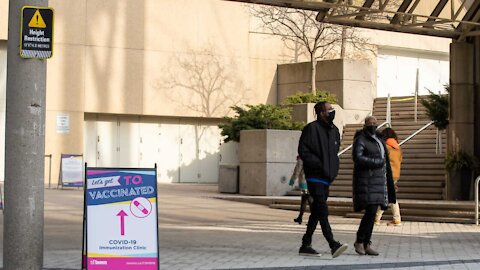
column 133, row 83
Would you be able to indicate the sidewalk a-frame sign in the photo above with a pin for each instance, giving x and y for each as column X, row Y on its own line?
column 121, row 228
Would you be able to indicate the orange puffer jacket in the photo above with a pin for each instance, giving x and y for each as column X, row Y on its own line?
column 395, row 155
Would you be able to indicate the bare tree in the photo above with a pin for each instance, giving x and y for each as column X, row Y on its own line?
column 301, row 27
column 203, row 82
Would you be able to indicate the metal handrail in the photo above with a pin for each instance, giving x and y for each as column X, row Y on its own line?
column 388, row 122
column 476, row 199
column 385, row 124
column 416, row 132
column 351, row 145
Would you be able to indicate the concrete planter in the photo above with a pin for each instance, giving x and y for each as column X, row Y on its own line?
column 461, row 186
column 267, row 159
column 228, row 168
column 353, row 81
column 227, row 178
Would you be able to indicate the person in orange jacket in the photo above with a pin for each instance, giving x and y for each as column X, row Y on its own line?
column 396, row 156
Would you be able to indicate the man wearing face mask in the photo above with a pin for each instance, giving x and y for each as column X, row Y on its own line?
column 318, row 148
column 373, row 185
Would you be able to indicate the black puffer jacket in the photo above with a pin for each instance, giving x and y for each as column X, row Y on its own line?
column 318, row 148
column 372, row 174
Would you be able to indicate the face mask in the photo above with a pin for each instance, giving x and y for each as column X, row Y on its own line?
column 371, row 129
column 331, row 116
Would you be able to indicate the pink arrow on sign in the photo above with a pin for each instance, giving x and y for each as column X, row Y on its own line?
column 122, row 216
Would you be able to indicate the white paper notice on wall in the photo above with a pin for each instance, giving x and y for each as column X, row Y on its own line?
column 63, row 123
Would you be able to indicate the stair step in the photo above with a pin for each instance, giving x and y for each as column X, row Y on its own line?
column 409, row 156
column 421, row 219
column 405, row 166
column 407, row 214
column 416, row 196
column 400, row 110
column 402, row 190
column 427, row 205
column 427, row 139
column 403, row 177
column 332, row 210
column 346, row 159
column 400, row 132
column 400, row 99
column 402, row 184
column 404, row 173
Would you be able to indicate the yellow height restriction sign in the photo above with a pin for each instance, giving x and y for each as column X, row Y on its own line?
column 36, row 37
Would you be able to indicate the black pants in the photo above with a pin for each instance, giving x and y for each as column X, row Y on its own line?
column 303, row 204
column 319, row 213
column 364, row 233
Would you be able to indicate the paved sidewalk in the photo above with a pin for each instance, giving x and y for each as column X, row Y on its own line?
column 199, row 232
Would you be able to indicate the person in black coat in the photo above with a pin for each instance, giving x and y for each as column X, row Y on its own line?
column 318, row 148
column 372, row 181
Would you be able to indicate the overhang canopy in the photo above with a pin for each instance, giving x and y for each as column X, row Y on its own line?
column 456, row 19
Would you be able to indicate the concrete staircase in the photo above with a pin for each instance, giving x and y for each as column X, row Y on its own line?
column 411, row 210
column 422, row 181
column 423, row 171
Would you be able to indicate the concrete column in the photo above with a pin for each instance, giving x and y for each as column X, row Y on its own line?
column 477, row 96
column 461, row 129
column 461, row 116
column 24, row 151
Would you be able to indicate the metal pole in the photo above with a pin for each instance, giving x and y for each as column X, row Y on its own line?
column 389, row 113
column 416, row 95
column 476, row 200
column 24, row 151
column 440, row 146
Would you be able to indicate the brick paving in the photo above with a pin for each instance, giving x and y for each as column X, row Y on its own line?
column 200, row 232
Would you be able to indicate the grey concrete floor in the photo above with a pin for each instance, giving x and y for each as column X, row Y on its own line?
column 199, row 232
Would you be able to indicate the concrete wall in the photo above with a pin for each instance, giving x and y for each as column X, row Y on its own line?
column 133, row 58
column 352, row 81
column 3, row 19
column 3, row 91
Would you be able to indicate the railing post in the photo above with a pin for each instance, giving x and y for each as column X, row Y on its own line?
column 389, row 112
column 476, row 199
column 440, row 143
column 416, row 97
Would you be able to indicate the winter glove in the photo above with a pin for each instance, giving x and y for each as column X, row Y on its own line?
column 303, row 186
